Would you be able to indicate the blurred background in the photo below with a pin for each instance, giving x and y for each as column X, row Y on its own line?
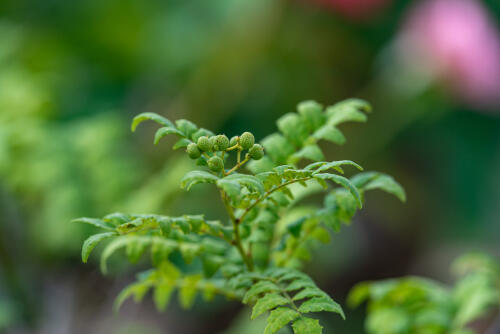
column 74, row 73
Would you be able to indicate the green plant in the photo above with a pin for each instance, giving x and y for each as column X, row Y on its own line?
column 417, row 305
column 257, row 255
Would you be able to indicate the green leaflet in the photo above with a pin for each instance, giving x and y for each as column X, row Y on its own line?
column 311, row 113
column 319, row 304
column 294, row 129
column 162, row 132
column 116, row 218
column 305, row 325
column 268, row 302
column 187, row 128
column 183, row 142
column 197, row 176
column 92, row 241
column 137, row 290
column 95, row 222
column 475, row 294
column 375, row 180
column 190, row 250
column 300, row 284
column 322, row 166
column 330, row 133
column 258, row 289
column 278, row 148
column 279, row 318
column 344, row 182
column 309, row 292
column 351, row 110
column 162, row 294
column 311, row 152
column 125, row 240
column 187, row 293
column 359, row 294
column 383, row 321
column 153, row 117
column 252, row 183
column 135, row 248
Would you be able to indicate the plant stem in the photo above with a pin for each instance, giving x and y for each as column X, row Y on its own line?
column 247, row 259
column 269, row 192
column 238, row 165
column 233, row 147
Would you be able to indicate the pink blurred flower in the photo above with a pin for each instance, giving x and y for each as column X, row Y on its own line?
column 356, row 9
column 457, row 41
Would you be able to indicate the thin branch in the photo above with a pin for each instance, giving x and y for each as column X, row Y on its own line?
column 267, row 194
column 238, row 165
column 237, row 238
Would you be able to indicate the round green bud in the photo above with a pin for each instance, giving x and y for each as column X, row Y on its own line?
column 233, row 141
column 221, row 143
column 247, row 140
column 193, row 151
column 201, row 132
column 256, row 152
column 204, row 144
column 215, row 164
column 212, row 142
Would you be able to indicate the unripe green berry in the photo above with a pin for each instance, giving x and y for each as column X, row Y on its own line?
column 247, row 140
column 215, row 164
column 233, row 141
column 221, row 143
column 212, row 142
column 193, row 151
column 256, row 152
column 204, row 144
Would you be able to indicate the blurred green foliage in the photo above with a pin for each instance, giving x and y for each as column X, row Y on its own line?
column 417, row 305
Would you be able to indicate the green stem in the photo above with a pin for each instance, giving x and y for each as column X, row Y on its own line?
column 267, row 194
column 247, row 259
column 233, row 147
column 238, row 165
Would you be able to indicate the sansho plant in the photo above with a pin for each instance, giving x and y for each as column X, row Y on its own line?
column 256, row 252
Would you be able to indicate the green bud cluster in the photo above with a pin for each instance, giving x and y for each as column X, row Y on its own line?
column 204, row 144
